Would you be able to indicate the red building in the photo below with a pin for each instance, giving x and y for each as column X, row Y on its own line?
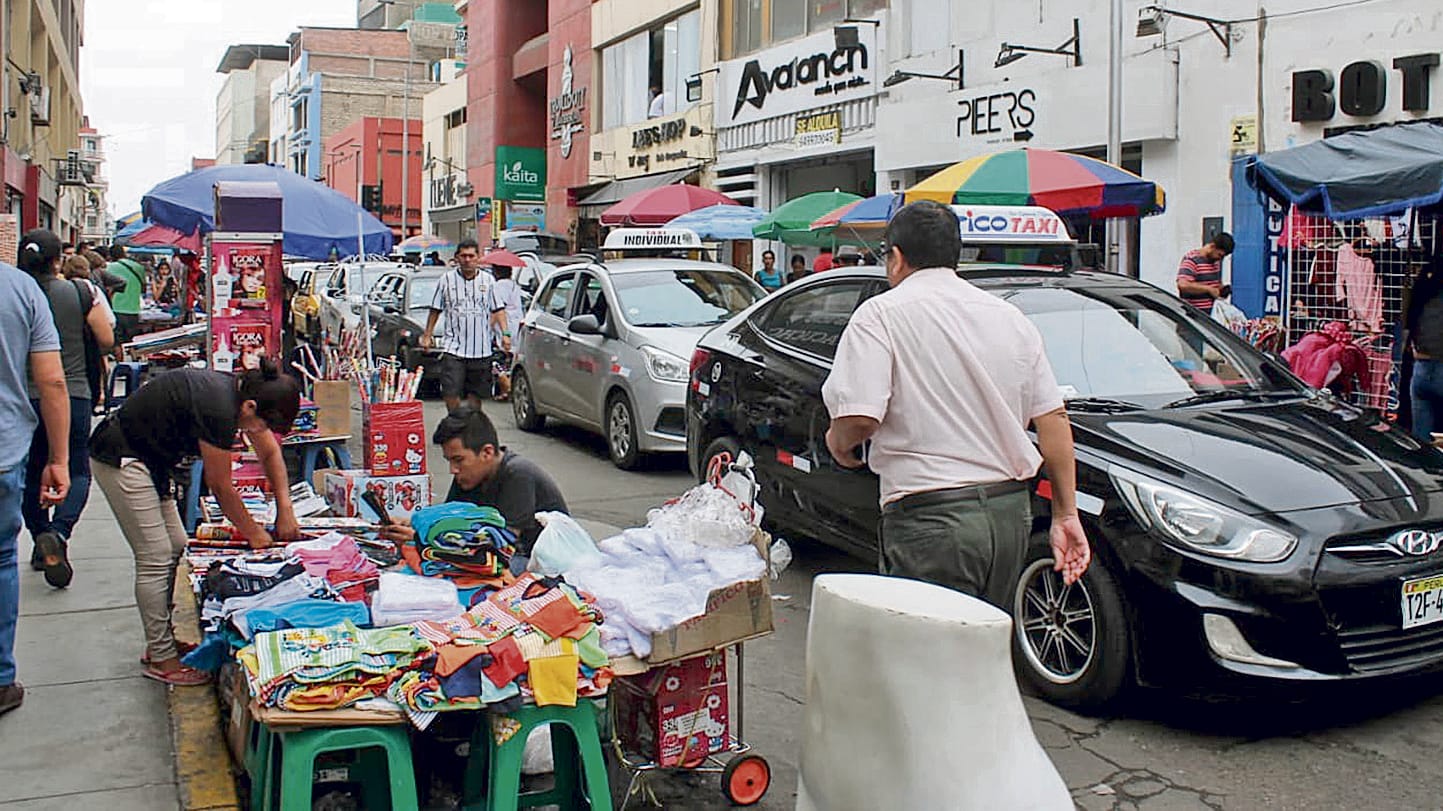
column 368, row 153
column 529, row 80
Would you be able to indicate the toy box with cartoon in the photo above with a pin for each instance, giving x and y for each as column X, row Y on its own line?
column 401, row 495
column 677, row 714
column 396, row 439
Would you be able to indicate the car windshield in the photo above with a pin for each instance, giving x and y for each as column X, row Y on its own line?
column 355, row 282
column 1137, row 348
column 423, row 291
column 683, row 298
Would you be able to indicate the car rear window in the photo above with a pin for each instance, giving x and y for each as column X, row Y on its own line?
column 812, row 320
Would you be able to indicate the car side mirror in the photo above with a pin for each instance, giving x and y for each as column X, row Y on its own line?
column 584, row 325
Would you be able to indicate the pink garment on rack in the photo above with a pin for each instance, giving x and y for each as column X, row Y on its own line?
column 1330, row 358
column 1358, row 286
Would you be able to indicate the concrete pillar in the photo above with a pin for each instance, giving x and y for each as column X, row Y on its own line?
column 911, row 703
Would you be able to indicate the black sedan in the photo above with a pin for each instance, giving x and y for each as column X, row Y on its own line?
column 1248, row 531
column 400, row 303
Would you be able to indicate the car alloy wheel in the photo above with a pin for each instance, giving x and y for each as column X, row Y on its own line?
column 1056, row 623
column 621, row 432
column 523, row 406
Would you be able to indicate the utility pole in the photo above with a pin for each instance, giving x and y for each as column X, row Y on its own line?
column 1114, row 120
column 406, row 138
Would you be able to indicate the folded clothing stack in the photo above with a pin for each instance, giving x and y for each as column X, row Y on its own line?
column 337, row 559
column 461, row 542
column 327, row 668
column 232, row 588
column 403, row 599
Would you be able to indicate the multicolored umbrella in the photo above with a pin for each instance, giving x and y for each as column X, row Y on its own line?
column 425, row 243
column 1068, row 184
column 720, row 222
column 792, row 221
column 662, row 204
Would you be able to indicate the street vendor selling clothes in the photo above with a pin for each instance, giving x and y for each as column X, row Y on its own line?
column 177, row 415
column 486, row 474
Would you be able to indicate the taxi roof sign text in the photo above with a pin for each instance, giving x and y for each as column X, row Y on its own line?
column 650, row 239
column 1011, row 224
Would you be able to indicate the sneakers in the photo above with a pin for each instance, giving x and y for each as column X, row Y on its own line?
column 180, row 677
column 50, row 549
column 11, row 696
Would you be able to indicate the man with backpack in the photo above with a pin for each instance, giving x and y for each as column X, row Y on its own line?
column 126, row 302
column 80, row 321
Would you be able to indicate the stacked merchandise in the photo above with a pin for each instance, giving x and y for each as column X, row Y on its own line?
column 262, row 507
column 324, row 668
column 466, row 544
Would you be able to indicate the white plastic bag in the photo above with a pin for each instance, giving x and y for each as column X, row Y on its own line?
column 781, row 556
column 1228, row 314
column 562, row 545
column 536, row 758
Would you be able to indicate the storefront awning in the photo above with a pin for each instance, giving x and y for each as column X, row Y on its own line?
column 453, row 214
column 617, row 190
column 1366, row 173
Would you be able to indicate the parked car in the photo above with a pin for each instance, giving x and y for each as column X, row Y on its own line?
column 605, row 345
column 306, row 303
column 343, row 294
column 541, row 244
column 400, row 305
column 1248, row 531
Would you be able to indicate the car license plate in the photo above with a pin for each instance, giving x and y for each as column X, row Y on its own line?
column 1422, row 601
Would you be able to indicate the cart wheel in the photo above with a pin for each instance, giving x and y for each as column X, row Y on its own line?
column 746, row 779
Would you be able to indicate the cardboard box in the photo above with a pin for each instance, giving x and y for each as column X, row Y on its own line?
column 402, row 495
column 734, row 614
column 333, row 407
column 396, row 439
column 235, row 701
column 678, row 714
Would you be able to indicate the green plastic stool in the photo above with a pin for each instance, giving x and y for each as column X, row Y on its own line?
column 289, row 766
column 257, row 759
column 493, row 771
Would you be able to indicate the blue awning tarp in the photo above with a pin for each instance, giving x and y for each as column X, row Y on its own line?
column 1364, row 173
column 316, row 219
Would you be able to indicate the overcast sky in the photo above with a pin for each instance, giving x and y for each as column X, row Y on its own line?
column 147, row 76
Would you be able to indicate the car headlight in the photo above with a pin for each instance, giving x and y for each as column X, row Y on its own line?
column 1198, row 524
column 664, row 366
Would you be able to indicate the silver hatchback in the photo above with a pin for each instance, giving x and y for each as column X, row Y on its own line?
column 608, row 346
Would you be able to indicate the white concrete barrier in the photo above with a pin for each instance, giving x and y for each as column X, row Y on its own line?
column 911, row 704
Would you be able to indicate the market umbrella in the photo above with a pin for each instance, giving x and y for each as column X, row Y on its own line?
column 1068, row 184
column 791, row 222
column 159, row 236
column 720, row 222
column 503, row 258
column 1366, row 173
column 863, row 220
column 125, row 222
column 662, row 204
column 425, row 243
column 315, row 217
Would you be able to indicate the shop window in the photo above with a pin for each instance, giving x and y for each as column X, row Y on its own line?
column 644, row 76
column 813, row 320
column 746, row 33
column 746, row 26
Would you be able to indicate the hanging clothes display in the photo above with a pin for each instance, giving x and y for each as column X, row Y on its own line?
column 1358, row 287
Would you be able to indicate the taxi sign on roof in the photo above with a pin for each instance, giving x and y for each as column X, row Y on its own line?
column 1011, row 224
column 650, row 239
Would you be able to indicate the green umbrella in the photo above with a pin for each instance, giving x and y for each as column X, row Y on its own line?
column 791, row 222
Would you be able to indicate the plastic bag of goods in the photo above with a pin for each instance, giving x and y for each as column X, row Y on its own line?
column 704, row 515
column 563, row 545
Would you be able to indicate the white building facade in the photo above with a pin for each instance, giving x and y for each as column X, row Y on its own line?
column 447, row 209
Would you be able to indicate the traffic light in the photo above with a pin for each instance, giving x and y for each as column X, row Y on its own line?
column 371, row 198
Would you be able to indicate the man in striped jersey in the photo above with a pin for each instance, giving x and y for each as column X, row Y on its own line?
column 475, row 319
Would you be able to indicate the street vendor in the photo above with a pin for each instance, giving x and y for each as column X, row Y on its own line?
column 486, row 474
column 181, row 414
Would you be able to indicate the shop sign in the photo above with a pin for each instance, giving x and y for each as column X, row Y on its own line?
column 1361, row 89
column 525, row 217
column 521, row 173
column 483, row 210
column 797, row 76
column 431, row 35
column 445, row 191
column 567, row 108
column 1275, row 265
column 1006, row 113
column 817, row 129
column 1243, row 135
column 661, row 137
column 463, row 41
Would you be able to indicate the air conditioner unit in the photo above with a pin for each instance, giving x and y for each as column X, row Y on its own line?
column 465, row 190
column 40, row 106
column 71, row 170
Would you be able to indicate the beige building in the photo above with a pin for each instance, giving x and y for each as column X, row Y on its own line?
column 242, row 107
column 96, row 224
column 448, row 208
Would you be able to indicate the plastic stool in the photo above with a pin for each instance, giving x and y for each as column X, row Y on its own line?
column 129, row 373
column 257, row 759
column 289, row 766
column 493, row 772
column 337, row 456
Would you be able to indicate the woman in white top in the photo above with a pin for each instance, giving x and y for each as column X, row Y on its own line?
column 508, row 294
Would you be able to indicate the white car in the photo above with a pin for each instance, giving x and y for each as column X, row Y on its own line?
column 343, row 293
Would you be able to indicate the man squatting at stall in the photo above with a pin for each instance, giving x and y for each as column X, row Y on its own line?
column 485, row 473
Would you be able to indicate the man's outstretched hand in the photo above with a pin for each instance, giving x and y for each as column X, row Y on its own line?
column 1070, row 549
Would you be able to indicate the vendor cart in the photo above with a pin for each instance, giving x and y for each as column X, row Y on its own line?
column 745, row 776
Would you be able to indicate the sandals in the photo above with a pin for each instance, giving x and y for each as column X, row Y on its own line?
column 180, row 677
column 181, row 649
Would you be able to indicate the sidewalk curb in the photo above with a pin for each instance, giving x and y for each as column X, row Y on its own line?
column 202, row 762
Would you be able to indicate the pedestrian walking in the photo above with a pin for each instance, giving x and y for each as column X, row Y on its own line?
column 508, row 295
column 28, row 341
column 126, row 301
column 943, row 380
column 1200, row 274
column 824, row 260
column 1423, row 321
column 81, row 323
column 474, row 315
column 769, row 277
column 187, row 414
column 108, row 282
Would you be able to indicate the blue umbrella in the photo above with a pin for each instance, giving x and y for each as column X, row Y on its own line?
column 720, row 222
column 316, row 219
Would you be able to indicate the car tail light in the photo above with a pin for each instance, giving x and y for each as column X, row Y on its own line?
column 699, row 358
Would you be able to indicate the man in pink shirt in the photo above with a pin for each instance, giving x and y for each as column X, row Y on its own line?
column 944, row 379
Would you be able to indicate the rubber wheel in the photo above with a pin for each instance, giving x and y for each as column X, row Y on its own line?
column 621, row 433
column 523, row 405
column 1072, row 642
column 746, row 779
column 718, row 446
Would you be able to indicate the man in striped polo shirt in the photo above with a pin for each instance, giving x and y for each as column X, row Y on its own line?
column 1200, row 276
column 474, row 314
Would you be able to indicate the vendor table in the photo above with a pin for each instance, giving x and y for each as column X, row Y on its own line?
column 310, row 449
